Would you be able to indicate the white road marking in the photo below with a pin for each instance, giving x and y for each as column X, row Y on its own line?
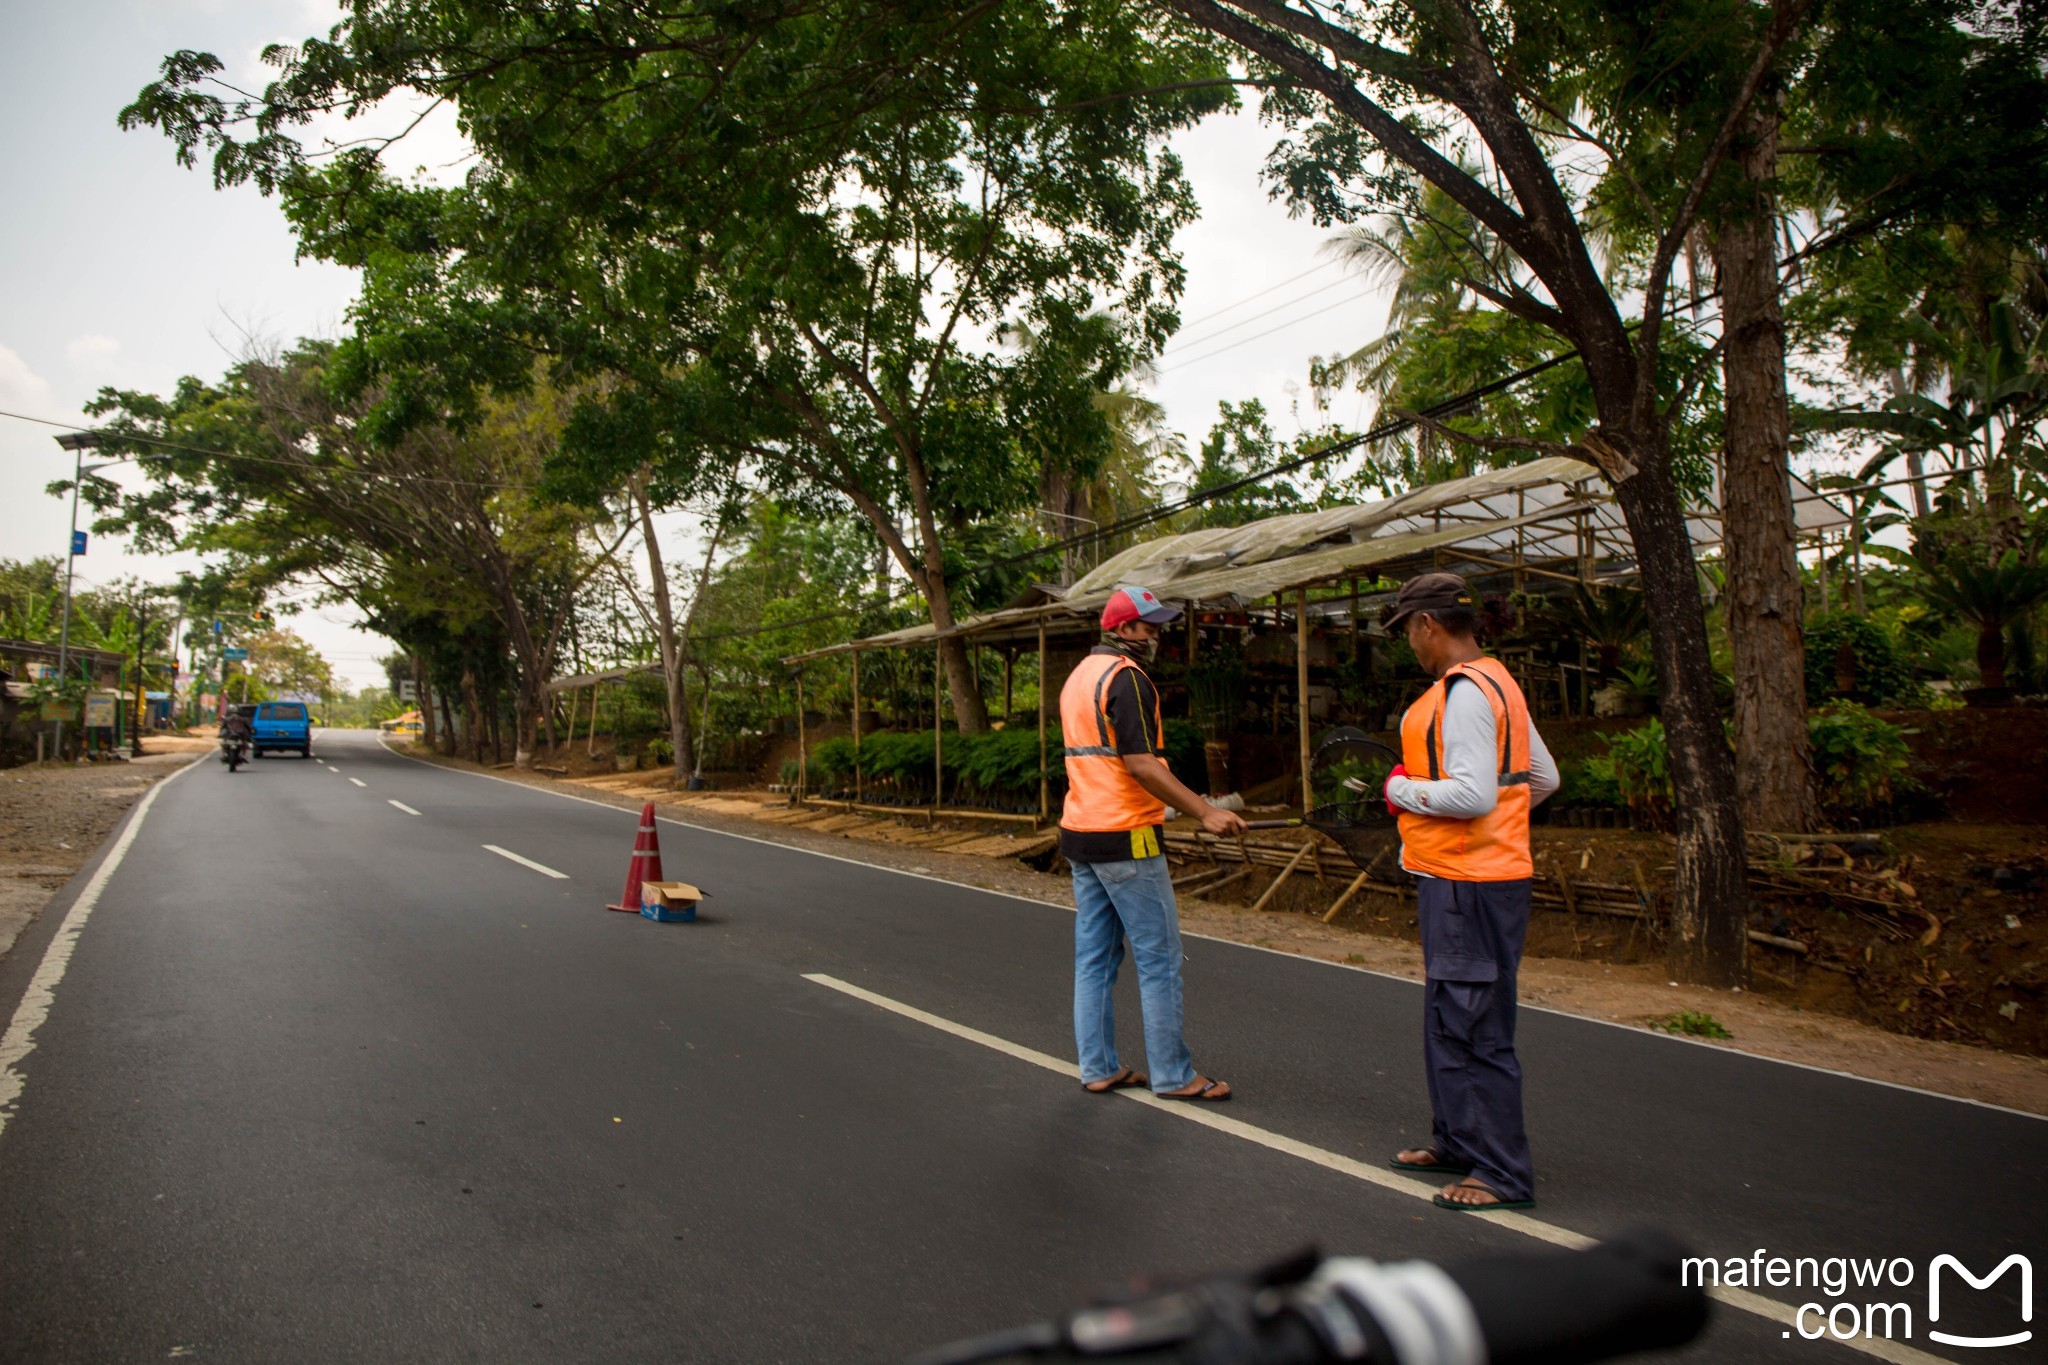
column 1647, row 1035
column 407, row 809
column 20, row 1038
column 359, row 781
column 541, row 868
column 1386, row 1179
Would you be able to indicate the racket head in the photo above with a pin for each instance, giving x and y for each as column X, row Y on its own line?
column 1350, row 768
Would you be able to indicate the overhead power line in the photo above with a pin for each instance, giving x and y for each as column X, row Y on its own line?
column 246, row 459
column 1253, row 298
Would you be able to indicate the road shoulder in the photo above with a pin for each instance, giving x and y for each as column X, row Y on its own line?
column 53, row 820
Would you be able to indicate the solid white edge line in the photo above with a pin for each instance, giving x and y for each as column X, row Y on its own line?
column 1748, row 1302
column 541, row 868
column 1648, row 1035
column 41, row 995
column 402, row 806
column 359, row 781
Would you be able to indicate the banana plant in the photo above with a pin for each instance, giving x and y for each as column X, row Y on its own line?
column 1989, row 424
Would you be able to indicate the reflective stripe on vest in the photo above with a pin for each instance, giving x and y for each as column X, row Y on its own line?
column 1102, row 796
column 1494, row 847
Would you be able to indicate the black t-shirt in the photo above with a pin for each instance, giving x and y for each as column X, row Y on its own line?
column 1133, row 706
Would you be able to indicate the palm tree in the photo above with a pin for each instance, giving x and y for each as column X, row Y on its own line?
column 1989, row 597
column 1126, row 479
column 1609, row 620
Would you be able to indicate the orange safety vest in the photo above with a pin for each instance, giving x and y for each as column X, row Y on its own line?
column 1494, row 847
column 1102, row 796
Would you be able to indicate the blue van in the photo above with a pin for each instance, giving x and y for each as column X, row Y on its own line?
column 281, row 725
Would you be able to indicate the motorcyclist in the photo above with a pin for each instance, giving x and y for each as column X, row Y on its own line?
column 236, row 735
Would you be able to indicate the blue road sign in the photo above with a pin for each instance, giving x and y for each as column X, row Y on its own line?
column 78, row 542
column 234, row 654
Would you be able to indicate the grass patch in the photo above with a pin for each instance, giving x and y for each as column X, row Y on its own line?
column 1692, row 1023
column 1355, row 959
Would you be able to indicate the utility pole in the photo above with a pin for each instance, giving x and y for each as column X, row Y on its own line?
column 77, row 442
column 141, row 681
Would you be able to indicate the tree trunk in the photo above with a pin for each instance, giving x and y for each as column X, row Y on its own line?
column 1991, row 655
column 472, row 714
column 671, row 650
column 425, row 702
column 529, row 699
column 1773, row 766
column 1710, row 901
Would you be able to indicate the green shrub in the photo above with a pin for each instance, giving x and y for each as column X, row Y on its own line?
column 832, row 759
column 1183, row 745
column 660, row 752
column 1590, row 782
column 1861, row 765
column 1882, row 674
column 1693, row 1023
column 1861, row 762
column 1640, row 764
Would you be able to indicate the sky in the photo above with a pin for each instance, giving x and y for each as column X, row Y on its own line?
column 119, row 267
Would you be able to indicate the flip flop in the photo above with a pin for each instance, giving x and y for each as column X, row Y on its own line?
column 1435, row 1166
column 1211, row 1092
column 1126, row 1079
column 1498, row 1206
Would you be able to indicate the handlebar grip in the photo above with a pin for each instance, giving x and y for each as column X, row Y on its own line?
column 1624, row 1295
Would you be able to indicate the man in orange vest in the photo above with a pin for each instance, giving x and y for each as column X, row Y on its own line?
column 1472, row 767
column 1118, row 788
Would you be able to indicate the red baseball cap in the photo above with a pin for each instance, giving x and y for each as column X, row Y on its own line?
column 1133, row 603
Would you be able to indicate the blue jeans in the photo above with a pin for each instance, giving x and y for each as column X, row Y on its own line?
column 1130, row 899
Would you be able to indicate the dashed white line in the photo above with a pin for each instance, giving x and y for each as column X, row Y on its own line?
column 541, row 868
column 1763, row 1307
column 359, row 781
column 407, row 809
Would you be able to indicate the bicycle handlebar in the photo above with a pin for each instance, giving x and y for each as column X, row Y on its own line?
column 1548, row 1308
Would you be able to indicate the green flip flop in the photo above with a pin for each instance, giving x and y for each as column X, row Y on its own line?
column 1434, row 1167
column 1498, row 1206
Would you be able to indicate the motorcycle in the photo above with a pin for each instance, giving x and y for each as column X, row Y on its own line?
column 1619, row 1297
column 234, row 752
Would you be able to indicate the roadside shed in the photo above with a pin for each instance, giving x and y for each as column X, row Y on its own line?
column 1550, row 521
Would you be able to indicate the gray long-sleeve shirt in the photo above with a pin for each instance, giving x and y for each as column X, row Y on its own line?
column 1470, row 785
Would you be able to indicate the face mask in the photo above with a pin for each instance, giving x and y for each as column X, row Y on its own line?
column 1144, row 651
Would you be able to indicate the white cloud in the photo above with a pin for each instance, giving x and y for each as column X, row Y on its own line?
column 92, row 349
column 22, row 388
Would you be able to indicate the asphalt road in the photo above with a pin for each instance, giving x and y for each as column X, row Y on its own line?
column 330, row 1080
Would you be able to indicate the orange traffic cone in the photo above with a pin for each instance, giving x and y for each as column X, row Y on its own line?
column 646, row 864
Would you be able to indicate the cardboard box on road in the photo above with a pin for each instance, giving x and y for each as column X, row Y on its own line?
column 669, row 902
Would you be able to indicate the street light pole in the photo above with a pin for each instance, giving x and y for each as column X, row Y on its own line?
column 77, row 442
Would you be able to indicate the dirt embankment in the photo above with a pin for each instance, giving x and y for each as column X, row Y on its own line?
column 1823, row 1013
column 53, row 818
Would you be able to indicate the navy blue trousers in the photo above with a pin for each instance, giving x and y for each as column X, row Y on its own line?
column 1472, row 936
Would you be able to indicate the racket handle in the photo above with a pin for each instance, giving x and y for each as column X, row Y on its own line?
column 1272, row 824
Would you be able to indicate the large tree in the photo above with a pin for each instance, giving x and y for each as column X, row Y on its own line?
column 791, row 235
column 440, row 537
column 1383, row 92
